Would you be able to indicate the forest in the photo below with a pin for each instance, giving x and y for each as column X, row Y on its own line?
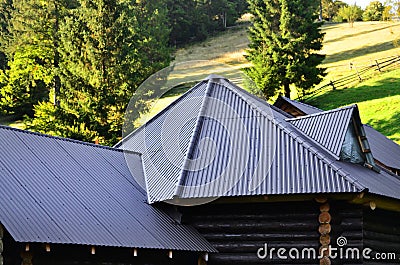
column 69, row 67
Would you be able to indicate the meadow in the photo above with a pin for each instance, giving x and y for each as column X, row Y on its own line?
column 378, row 98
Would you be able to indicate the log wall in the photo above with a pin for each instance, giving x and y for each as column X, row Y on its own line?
column 238, row 231
column 382, row 234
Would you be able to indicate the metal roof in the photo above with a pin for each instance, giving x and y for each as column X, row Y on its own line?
column 328, row 128
column 305, row 108
column 58, row 190
column 385, row 150
column 227, row 142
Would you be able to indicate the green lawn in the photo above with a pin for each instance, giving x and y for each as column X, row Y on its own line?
column 378, row 100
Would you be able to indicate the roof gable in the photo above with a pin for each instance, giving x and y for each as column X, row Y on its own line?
column 237, row 145
column 327, row 128
column 57, row 190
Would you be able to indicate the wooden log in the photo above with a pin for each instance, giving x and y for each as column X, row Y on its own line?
column 325, row 240
column 324, row 218
column 321, row 199
column 266, row 217
column 324, row 229
column 381, row 236
column 1, row 244
column 324, row 207
column 26, row 258
column 295, row 225
column 278, row 235
column 324, row 250
column 325, row 261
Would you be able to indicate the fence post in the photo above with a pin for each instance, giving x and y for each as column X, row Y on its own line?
column 377, row 64
column 359, row 76
column 333, row 85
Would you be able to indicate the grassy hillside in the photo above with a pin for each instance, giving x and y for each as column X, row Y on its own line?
column 378, row 100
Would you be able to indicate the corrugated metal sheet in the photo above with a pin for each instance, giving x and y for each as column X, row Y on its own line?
column 327, row 128
column 63, row 191
column 237, row 146
column 164, row 148
column 384, row 150
column 275, row 162
column 305, row 108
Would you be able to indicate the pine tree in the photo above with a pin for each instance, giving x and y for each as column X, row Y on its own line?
column 107, row 49
column 284, row 39
column 31, row 47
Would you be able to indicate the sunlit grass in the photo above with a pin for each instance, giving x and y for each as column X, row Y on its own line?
column 378, row 100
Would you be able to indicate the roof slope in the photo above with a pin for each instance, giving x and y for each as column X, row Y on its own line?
column 64, row 191
column 385, row 150
column 235, row 145
column 302, row 107
column 327, row 128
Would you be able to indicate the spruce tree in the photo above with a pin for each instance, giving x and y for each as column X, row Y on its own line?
column 107, row 49
column 30, row 43
column 284, row 40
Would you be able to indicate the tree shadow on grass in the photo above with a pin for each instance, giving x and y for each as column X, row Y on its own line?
column 356, row 34
column 345, row 55
column 389, row 127
column 336, row 98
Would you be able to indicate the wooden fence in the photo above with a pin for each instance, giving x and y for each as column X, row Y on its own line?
column 359, row 74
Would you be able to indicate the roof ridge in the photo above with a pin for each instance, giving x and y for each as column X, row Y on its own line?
column 173, row 103
column 302, row 103
column 323, row 112
column 65, row 139
column 296, row 136
column 194, row 137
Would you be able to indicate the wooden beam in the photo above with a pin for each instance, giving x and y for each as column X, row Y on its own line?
column 1, row 244
column 26, row 258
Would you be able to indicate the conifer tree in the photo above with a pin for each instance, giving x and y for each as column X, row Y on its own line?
column 284, row 41
column 107, row 48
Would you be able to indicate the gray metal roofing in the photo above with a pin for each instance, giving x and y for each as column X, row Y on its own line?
column 327, row 128
column 236, row 146
column 57, row 190
column 385, row 150
column 305, row 108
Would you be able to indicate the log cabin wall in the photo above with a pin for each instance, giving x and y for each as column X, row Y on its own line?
column 239, row 230
column 382, row 234
column 16, row 253
column 346, row 226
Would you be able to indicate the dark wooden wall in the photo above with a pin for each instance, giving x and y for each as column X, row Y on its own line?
column 239, row 230
column 81, row 255
column 347, row 222
column 382, row 234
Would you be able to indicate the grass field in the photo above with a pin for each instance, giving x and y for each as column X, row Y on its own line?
column 378, row 98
